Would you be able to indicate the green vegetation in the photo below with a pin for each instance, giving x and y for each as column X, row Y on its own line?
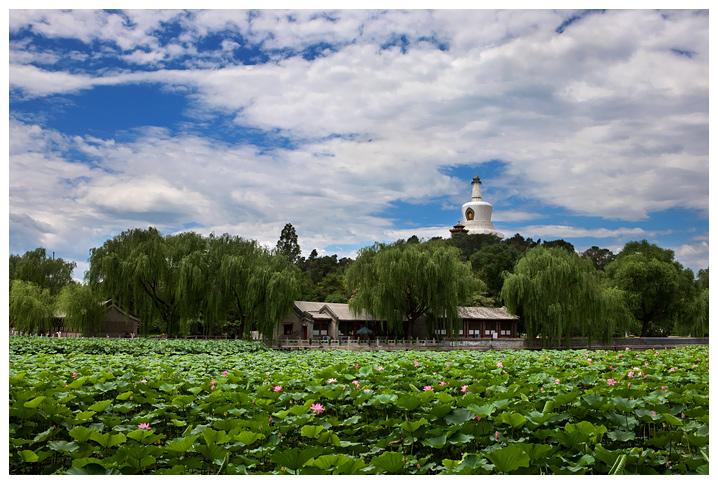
column 197, row 407
column 175, row 281
column 402, row 281
column 558, row 295
column 190, row 284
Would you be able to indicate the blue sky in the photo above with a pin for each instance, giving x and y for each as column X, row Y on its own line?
column 358, row 126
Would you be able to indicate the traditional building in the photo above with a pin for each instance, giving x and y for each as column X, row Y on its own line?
column 476, row 214
column 491, row 323
column 117, row 323
column 318, row 320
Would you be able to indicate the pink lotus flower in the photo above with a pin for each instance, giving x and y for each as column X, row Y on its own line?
column 356, row 366
column 277, row 388
column 317, row 408
column 497, row 434
column 416, row 363
column 224, row 373
column 144, row 426
column 500, row 365
column 74, row 373
column 557, row 382
column 379, row 368
column 611, row 381
column 332, row 380
column 663, row 387
column 427, row 388
column 465, row 388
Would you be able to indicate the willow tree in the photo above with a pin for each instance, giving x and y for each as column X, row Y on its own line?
column 31, row 307
column 140, row 270
column 47, row 272
column 400, row 282
column 237, row 280
column 82, row 308
column 558, row 295
column 660, row 291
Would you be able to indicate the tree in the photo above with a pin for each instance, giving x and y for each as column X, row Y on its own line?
column 31, row 307
column 491, row 262
column 48, row 273
column 558, row 295
column 140, row 269
column 241, row 281
column 519, row 243
column 472, row 243
column 655, row 286
column 559, row 243
column 702, row 278
column 288, row 244
column 402, row 281
column 82, row 307
column 599, row 257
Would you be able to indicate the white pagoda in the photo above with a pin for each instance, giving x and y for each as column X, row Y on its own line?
column 476, row 214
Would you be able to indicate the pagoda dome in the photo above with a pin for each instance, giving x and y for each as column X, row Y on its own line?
column 476, row 214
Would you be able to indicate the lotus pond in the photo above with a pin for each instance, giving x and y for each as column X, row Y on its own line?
column 163, row 407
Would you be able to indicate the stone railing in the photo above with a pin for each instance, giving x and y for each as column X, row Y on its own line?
column 480, row 344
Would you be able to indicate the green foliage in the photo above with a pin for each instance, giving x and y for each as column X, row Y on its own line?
column 239, row 280
column 491, row 262
column 82, row 307
column 31, row 307
column 519, row 243
column 324, row 278
column 186, row 407
column 559, row 295
column 402, row 281
column 469, row 244
column 185, row 278
column 48, row 273
column 568, row 246
column 288, row 244
column 659, row 291
column 598, row 256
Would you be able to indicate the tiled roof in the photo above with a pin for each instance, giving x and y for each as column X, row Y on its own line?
column 485, row 313
column 341, row 312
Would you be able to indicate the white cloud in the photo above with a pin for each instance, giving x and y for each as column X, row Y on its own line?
column 607, row 119
column 694, row 256
column 565, row 231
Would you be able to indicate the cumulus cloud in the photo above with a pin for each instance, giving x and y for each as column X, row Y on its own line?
column 603, row 116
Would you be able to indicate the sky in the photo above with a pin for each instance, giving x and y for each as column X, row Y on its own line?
column 358, row 126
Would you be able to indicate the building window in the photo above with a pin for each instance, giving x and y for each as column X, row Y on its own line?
column 320, row 330
column 469, row 214
column 288, row 328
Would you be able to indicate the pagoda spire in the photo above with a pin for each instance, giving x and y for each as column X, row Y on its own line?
column 476, row 188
